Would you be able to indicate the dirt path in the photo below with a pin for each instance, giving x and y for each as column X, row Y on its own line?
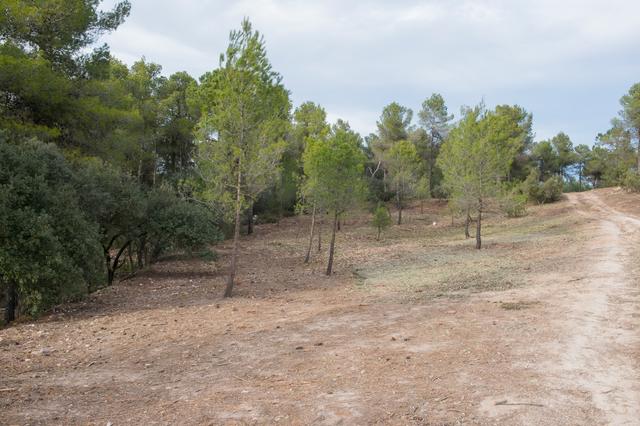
column 541, row 328
column 600, row 353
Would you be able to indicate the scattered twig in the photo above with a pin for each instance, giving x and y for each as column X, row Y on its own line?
column 532, row 404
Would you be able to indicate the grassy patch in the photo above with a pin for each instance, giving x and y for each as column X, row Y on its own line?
column 517, row 306
column 443, row 264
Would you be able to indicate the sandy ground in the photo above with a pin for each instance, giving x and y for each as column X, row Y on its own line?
column 541, row 327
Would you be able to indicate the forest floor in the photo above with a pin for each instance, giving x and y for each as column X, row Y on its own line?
column 541, row 326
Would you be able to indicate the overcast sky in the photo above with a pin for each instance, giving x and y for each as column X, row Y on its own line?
column 566, row 61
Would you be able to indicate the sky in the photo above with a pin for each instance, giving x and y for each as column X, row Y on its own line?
column 567, row 62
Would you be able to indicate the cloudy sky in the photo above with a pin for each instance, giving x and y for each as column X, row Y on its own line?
column 566, row 61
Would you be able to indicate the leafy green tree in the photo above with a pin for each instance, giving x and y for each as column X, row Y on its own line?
column 117, row 205
column 515, row 128
column 381, row 219
column 475, row 160
column 423, row 191
column 435, row 123
column 333, row 171
column 566, row 155
column 49, row 250
column 403, row 164
column 245, row 117
column 309, row 123
column 630, row 117
column 583, row 154
column 546, row 158
column 394, row 125
column 175, row 224
column 177, row 117
column 58, row 30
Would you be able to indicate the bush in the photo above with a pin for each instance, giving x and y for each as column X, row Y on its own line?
column 49, row 251
column 514, row 204
column 542, row 192
column 176, row 224
column 631, row 181
column 381, row 219
column 552, row 189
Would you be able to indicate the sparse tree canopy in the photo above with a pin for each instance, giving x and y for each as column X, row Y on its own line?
column 475, row 158
column 402, row 164
column 334, row 171
column 245, row 117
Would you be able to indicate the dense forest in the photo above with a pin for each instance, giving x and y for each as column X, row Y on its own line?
column 105, row 167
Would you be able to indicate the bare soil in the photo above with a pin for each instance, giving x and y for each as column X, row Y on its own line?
column 539, row 327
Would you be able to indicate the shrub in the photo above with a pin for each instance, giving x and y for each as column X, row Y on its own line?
column 49, row 251
column 552, row 189
column 381, row 219
column 542, row 192
column 514, row 204
column 631, row 181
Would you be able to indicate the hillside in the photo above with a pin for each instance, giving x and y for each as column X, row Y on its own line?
column 417, row 328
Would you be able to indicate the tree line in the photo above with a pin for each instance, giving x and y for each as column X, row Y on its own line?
column 105, row 167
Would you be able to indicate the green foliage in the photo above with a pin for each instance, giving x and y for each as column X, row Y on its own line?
column 58, row 29
column 393, row 126
column 541, row 192
column 632, row 181
column 381, row 219
column 630, row 114
column 174, row 224
column 514, row 203
column 552, row 189
column 333, row 169
column 546, row 157
column 402, row 165
column 422, row 190
column 244, row 120
column 49, row 249
column 474, row 159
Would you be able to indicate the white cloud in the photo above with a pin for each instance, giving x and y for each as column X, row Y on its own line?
column 355, row 56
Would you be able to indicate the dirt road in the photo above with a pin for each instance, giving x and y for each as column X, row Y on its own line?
column 552, row 340
column 600, row 348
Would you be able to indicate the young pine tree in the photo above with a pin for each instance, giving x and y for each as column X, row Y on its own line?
column 381, row 219
column 403, row 163
column 333, row 176
column 474, row 160
column 245, row 117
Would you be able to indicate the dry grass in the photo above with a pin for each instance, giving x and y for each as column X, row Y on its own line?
column 440, row 262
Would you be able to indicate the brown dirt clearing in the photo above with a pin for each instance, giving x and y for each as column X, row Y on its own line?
column 540, row 327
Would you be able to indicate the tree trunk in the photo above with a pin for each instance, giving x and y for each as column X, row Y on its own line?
column 580, row 177
column 466, row 225
column 228, row 292
column 250, row 220
column 313, row 222
column 141, row 249
column 319, row 235
column 112, row 266
column 478, row 230
column 399, row 198
column 421, row 206
column 12, row 303
column 378, row 238
column 333, row 244
column 338, row 227
column 638, row 156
